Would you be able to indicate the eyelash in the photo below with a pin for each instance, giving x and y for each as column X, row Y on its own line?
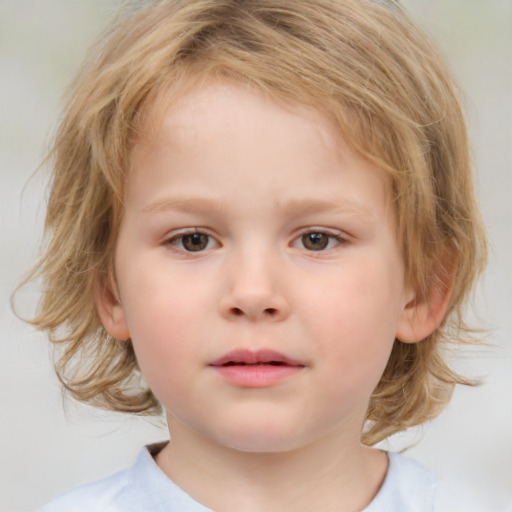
column 337, row 237
column 178, row 240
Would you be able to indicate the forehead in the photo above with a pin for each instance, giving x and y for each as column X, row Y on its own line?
column 197, row 103
column 221, row 127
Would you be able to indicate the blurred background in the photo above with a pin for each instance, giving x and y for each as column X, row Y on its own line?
column 47, row 446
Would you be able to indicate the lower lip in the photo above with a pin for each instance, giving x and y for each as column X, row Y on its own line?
column 257, row 376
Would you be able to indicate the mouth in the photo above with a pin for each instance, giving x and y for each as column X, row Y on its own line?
column 241, row 363
column 258, row 358
column 260, row 369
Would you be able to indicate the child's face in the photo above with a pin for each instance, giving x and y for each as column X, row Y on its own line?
column 252, row 231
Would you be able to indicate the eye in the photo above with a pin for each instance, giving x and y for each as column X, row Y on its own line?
column 193, row 242
column 317, row 241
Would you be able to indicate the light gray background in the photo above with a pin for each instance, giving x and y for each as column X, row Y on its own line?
column 44, row 450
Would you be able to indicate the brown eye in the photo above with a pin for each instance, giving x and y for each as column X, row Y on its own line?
column 315, row 241
column 195, row 242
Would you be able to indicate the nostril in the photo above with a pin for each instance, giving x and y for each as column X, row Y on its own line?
column 267, row 312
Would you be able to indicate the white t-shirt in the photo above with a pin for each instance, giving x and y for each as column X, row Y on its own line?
column 408, row 487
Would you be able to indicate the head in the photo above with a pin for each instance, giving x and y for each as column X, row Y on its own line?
column 361, row 64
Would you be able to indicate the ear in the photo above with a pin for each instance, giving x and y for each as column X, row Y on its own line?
column 110, row 310
column 425, row 312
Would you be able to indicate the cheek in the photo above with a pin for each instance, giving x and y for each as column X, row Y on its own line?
column 358, row 303
column 167, row 355
column 168, row 311
column 164, row 328
column 354, row 319
column 160, row 301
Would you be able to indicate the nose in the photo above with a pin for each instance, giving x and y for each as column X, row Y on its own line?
column 254, row 290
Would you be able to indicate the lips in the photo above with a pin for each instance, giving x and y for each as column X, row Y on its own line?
column 260, row 357
column 260, row 369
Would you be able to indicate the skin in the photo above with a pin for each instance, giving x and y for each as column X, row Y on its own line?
column 260, row 181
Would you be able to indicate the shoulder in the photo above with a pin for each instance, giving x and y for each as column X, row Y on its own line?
column 453, row 495
column 142, row 487
column 410, row 486
column 92, row 497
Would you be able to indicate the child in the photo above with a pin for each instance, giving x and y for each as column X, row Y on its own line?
column 262, row 223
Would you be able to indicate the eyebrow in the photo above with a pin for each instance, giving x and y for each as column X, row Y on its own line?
column 185, row 205
column 297, row 208
column 292, row 208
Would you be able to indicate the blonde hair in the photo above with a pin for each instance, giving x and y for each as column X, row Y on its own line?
column 361, row 61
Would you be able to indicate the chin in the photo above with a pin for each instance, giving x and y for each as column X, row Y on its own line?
column 262, row 445
column 260, row 438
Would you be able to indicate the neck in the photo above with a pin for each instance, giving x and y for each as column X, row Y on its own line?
column 329, row 474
